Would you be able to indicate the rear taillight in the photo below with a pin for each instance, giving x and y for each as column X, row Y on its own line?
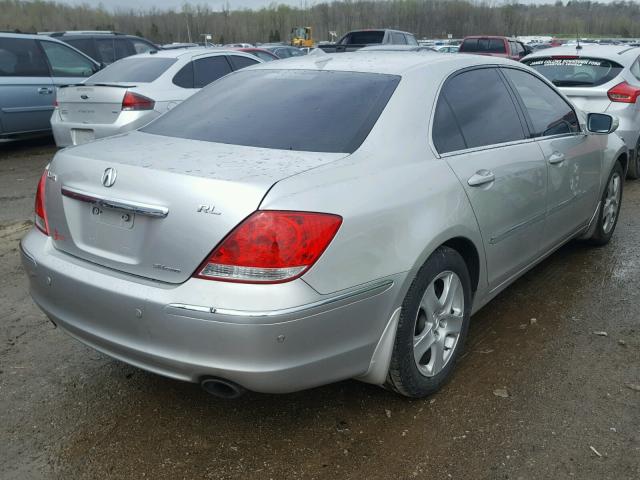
column 40, row 210
column 624, row 93
column 271, row 246
column 135, row 101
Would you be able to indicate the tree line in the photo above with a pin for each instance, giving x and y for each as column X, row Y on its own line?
column 424, row 18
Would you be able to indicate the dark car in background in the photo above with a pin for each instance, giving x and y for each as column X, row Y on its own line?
column 262, row 53
column 283, row 51
column 495, row 46
column 31, row 68
column 358, row 39
column 105, row 46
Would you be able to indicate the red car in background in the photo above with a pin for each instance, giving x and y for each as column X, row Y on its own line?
column 495, row 46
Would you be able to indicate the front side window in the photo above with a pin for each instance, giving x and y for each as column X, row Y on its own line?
column 482, row 107
column 21, row 58
column 289, row 110
column 210, row 69
column 573, row 71
column 398, row 38
column 549, row 114
column 66, row 62
column 141, row 47
column 411, row 40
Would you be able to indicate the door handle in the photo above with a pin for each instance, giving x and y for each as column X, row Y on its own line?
column 45, row 91
column 481, row 177
column 555, row 158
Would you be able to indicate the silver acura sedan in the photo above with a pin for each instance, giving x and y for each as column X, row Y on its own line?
column 321, row 219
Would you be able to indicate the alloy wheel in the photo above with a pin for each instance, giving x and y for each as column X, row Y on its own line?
column 611, row 202
column 438, row 323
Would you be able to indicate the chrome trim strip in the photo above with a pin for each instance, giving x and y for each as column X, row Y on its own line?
column 130, row 206
column 192, row 308
column 381, row 286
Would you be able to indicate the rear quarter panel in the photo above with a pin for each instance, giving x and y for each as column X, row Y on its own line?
column 398, row 201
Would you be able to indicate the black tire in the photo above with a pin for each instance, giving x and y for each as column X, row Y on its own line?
column 601, row 236
column 633, row 172
column 404, row 376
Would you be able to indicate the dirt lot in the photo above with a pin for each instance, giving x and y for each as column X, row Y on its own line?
column 571, row 410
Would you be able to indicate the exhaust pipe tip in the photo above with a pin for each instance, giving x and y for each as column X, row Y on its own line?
column 222, row 388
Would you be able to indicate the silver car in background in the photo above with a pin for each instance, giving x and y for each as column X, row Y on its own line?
column 264, row 235
column 599, row 78
column 133, row 91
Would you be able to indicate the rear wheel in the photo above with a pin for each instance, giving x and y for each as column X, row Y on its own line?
column 433, row 325
column 634, row 165
column 609, row 207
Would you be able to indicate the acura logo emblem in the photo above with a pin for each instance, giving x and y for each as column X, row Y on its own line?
column 109, row 177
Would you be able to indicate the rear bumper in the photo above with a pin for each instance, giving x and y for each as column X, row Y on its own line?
column 171, row 330
column 127, row 121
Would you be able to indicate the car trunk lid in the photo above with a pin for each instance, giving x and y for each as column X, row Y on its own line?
column 91, row 103
column 588, row 99
column 171, row 201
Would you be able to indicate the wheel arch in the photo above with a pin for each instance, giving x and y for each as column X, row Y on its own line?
column 469, row 253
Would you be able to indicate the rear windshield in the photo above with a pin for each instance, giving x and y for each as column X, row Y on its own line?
column 484, row 45
column 314, row 111
column 360, row 38
column 576, row 72
column 141, row 70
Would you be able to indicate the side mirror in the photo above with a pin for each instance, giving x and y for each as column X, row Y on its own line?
column 602, row 123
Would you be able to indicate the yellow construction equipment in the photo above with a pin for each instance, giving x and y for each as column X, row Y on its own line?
column 301, row 37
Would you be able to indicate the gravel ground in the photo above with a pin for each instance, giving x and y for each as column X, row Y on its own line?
column 537, row 395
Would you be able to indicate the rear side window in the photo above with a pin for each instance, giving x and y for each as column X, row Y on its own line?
column 105, row 49
column 184, row 78
column 141, row 70
column 21, row 58
column 482, row 107
column 210, row 69
column 66, row 62
column 85, row 45
column 446, row 132
column 289, row 110
column 358, row 38
column 122, row 48
column 576, row 72
column 549, row 114
column 239, row 62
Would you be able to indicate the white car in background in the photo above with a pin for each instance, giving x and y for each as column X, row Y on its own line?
column 599, row 78
column 448, row 48
column 131, row 92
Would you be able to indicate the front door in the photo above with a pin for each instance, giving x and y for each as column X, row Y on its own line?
column 573, row 157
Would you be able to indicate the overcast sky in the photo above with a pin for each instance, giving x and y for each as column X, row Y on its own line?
column 215, row 4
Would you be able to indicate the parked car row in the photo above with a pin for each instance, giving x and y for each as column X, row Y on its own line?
column 84, row 85
column 265, row 235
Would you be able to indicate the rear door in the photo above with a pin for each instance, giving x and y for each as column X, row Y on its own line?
column 573, row 157
column 26, row 89
column 479, row 130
